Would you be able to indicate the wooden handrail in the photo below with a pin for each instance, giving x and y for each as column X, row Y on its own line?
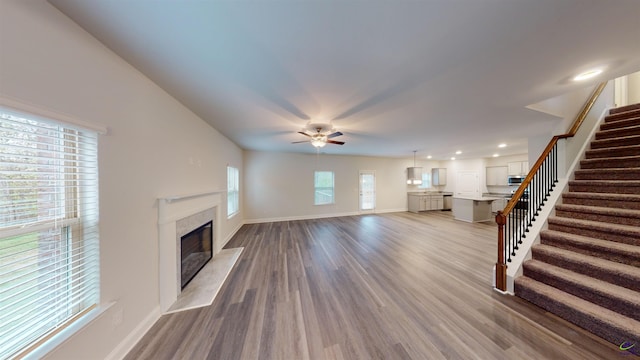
column 585, row 110
column 501, row 216
column 572, row 131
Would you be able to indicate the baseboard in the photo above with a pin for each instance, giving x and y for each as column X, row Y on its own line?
column 232, row 234
column 322, row 216
column 386, row 211
column 301, row 217
column 134, row 336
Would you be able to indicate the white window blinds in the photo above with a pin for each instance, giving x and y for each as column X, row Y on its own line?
column 323, row 188
column 233, row 191
column 48, row 229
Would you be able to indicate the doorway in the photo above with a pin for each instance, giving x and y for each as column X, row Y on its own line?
column 367, row 191
column 468, row 184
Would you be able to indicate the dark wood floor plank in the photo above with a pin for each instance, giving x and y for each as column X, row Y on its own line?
column 392, row 286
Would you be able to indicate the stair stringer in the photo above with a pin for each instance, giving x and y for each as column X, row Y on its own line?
column 514, row 268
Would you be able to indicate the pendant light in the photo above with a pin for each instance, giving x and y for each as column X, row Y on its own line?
column 414, row 174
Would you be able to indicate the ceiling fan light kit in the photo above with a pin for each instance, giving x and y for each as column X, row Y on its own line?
column 318, row 140
column 319, row 135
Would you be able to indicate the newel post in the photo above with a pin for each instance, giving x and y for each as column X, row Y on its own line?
column 501, row 266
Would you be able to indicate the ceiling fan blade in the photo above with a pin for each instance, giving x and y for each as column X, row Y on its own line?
column 337, row 133
column 304, row 133
column 299, row 142
column 335, row 142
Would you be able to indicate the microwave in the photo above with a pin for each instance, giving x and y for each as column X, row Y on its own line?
column 515, row 180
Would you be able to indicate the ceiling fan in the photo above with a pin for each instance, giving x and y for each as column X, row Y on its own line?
column 320, row 135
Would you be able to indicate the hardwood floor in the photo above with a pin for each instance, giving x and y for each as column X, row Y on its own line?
column 391, row 286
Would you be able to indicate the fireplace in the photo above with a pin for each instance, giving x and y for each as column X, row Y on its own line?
column 196, row 249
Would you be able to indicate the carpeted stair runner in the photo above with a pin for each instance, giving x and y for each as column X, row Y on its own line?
column 586, row 268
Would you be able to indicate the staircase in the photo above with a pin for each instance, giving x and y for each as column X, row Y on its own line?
column 586, row 268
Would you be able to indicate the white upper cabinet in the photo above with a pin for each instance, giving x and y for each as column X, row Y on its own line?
column 497, row 175
column 518, row 168
column 438, row 176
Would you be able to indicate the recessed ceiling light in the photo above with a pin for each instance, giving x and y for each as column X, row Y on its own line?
column 496, row 155
column 429, row 157
column 588, row 74
column 502, row 145
column 453, row 158
column 458, row 152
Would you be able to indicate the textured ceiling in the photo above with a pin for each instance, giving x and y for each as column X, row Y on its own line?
column 393, row 76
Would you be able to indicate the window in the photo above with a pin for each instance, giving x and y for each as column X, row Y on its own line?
column 48, row 229
column 323, row 185
column 233, row 198
column 426, row 180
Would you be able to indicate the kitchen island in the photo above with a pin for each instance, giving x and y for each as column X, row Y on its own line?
column 475, row 209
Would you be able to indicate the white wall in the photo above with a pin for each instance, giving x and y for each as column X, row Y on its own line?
column 279, row 186
column 455, row 166
column 155, row 147
column 566, row 107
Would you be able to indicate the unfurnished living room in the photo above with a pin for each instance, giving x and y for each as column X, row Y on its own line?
column 285, row 179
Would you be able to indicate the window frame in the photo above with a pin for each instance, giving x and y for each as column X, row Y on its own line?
column 233, row 191
column 317, row 189
column 55, row 172
column 426, row 180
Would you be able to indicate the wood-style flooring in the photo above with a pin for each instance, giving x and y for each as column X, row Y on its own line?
column 383, row 286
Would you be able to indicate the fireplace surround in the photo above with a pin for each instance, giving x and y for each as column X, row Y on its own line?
column 179, row 216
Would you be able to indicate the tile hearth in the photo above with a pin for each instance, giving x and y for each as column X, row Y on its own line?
column 204, row 287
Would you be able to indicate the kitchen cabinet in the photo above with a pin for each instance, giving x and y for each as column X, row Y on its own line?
column 425, row 202
column 437, row 202
column 518, row 168
column 438, row 176
column 472, row 209
column 418, row 203
column 497, row 175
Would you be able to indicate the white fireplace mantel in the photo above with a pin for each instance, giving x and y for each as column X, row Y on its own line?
column 170, row 211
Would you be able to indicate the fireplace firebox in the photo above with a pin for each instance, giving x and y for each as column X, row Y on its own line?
column 196, row 249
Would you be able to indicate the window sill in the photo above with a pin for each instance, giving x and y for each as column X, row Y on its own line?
column 64, row 335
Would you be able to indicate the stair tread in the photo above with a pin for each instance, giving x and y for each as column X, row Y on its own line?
column 613, row 148
column 620, row 124
column 606, row 170
column 608, row 131
column 606, row 182
column 612, row 246
column 617, row 228
column 603, row 196
column 625, row 109
column 603, row 264
column 617, row 158
column 600, row 210
column 586, row 307
column 616, row 138
column 632, row 112
column 596, row 285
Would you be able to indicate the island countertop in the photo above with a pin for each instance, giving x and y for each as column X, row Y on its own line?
column 473, row 209
column 480, row 198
